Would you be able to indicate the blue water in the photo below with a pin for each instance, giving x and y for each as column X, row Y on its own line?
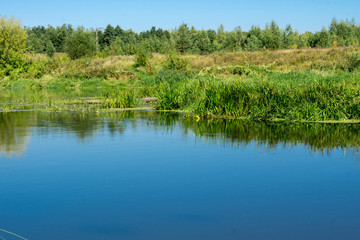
column 146, row 176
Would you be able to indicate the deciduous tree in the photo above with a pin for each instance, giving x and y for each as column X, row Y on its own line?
column 13, row 39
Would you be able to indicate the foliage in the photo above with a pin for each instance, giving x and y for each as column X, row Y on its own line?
column 141, row 59
column 182, row 39
column 80, row 43
column 322, row 98
column 272, row 36
column 186, row 39
column 12, row 45
column 353, row 60
column 38, row 37
column 121, row 98
column 254, row 40
column 50, row 49
column 175, row 62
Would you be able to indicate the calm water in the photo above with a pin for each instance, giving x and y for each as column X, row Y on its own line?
column 145, row 175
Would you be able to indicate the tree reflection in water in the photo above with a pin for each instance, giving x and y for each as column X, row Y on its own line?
column 16, row 129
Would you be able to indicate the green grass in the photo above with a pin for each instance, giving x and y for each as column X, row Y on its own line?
column 308, row 86
column 301, row 96
column 255, row 94
column 120, row 98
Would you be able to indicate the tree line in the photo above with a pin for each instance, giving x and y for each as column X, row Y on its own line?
column 184, row 39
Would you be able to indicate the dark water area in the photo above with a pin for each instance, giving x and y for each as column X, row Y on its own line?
column 148, row 175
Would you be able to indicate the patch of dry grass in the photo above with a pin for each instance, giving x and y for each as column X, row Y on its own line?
column 121, row 67
column 279, row 60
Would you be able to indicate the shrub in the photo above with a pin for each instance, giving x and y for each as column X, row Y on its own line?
column 50, row 49
column 353, row 61
column 141, row 59
column 12, row 45
column 170, row 76
column 80, row 43
column 174, row 62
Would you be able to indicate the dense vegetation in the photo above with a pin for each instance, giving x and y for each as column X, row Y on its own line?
column 185, row 39
column 224, row 80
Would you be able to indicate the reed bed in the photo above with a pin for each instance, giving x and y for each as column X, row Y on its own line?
column 302, row 96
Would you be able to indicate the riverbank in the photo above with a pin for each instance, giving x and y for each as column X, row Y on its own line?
column 298, row 85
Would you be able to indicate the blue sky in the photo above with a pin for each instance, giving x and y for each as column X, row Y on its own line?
column 140, row 15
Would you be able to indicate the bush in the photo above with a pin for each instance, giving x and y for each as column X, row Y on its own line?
column 353, row 61
column 80, row 44
column 171, row 77
column 141, row 59
column 12, row 45
column 174, row 62
column 50, row 49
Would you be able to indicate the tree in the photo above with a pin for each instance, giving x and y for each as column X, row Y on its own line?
column 254, row 39
column 288, row 37
column 253, row 43
column 272, row 36
column 320, row 39
column 80, row 43
column 182, row 42
column 202, row 42
column 118, row 31
column 221, row 37
column 238, row 35
column 343, row 32
column 35, row 44
column 13, row 39
column 50, row 49
column 109, row 35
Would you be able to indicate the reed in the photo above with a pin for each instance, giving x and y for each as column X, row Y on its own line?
column 120, row 98
column 304, row 96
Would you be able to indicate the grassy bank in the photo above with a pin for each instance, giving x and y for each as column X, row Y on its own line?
column 59, row 71
column 288, row 85
column 302, row 96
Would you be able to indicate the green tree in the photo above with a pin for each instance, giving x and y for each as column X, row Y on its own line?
column 272, row 36
column 254, row 40
column 116, row 47
column 253, row 43
column 13, row 39
column 35, row 44
column 321, row 39
column 238, row 35
column 109, row 35
column 50, row 49
column 118, row 31
column 182, row 42
column 202, row 42
column 80, row 43
column 288, row 37
column 221, row 37
column 343, row 32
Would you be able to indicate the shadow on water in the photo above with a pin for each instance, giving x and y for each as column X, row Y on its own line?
column 16, row 129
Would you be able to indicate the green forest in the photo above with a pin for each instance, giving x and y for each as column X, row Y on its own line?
column 185, row 39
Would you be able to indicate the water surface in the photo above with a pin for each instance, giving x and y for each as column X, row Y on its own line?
column 148, row 175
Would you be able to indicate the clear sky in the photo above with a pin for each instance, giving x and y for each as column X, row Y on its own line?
column 141, row 15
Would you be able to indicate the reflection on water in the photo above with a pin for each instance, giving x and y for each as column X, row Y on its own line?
column 145, row 175
column 15, row 130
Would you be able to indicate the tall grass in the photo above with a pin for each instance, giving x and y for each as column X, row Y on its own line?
column 308, row 96
column 120, row 98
